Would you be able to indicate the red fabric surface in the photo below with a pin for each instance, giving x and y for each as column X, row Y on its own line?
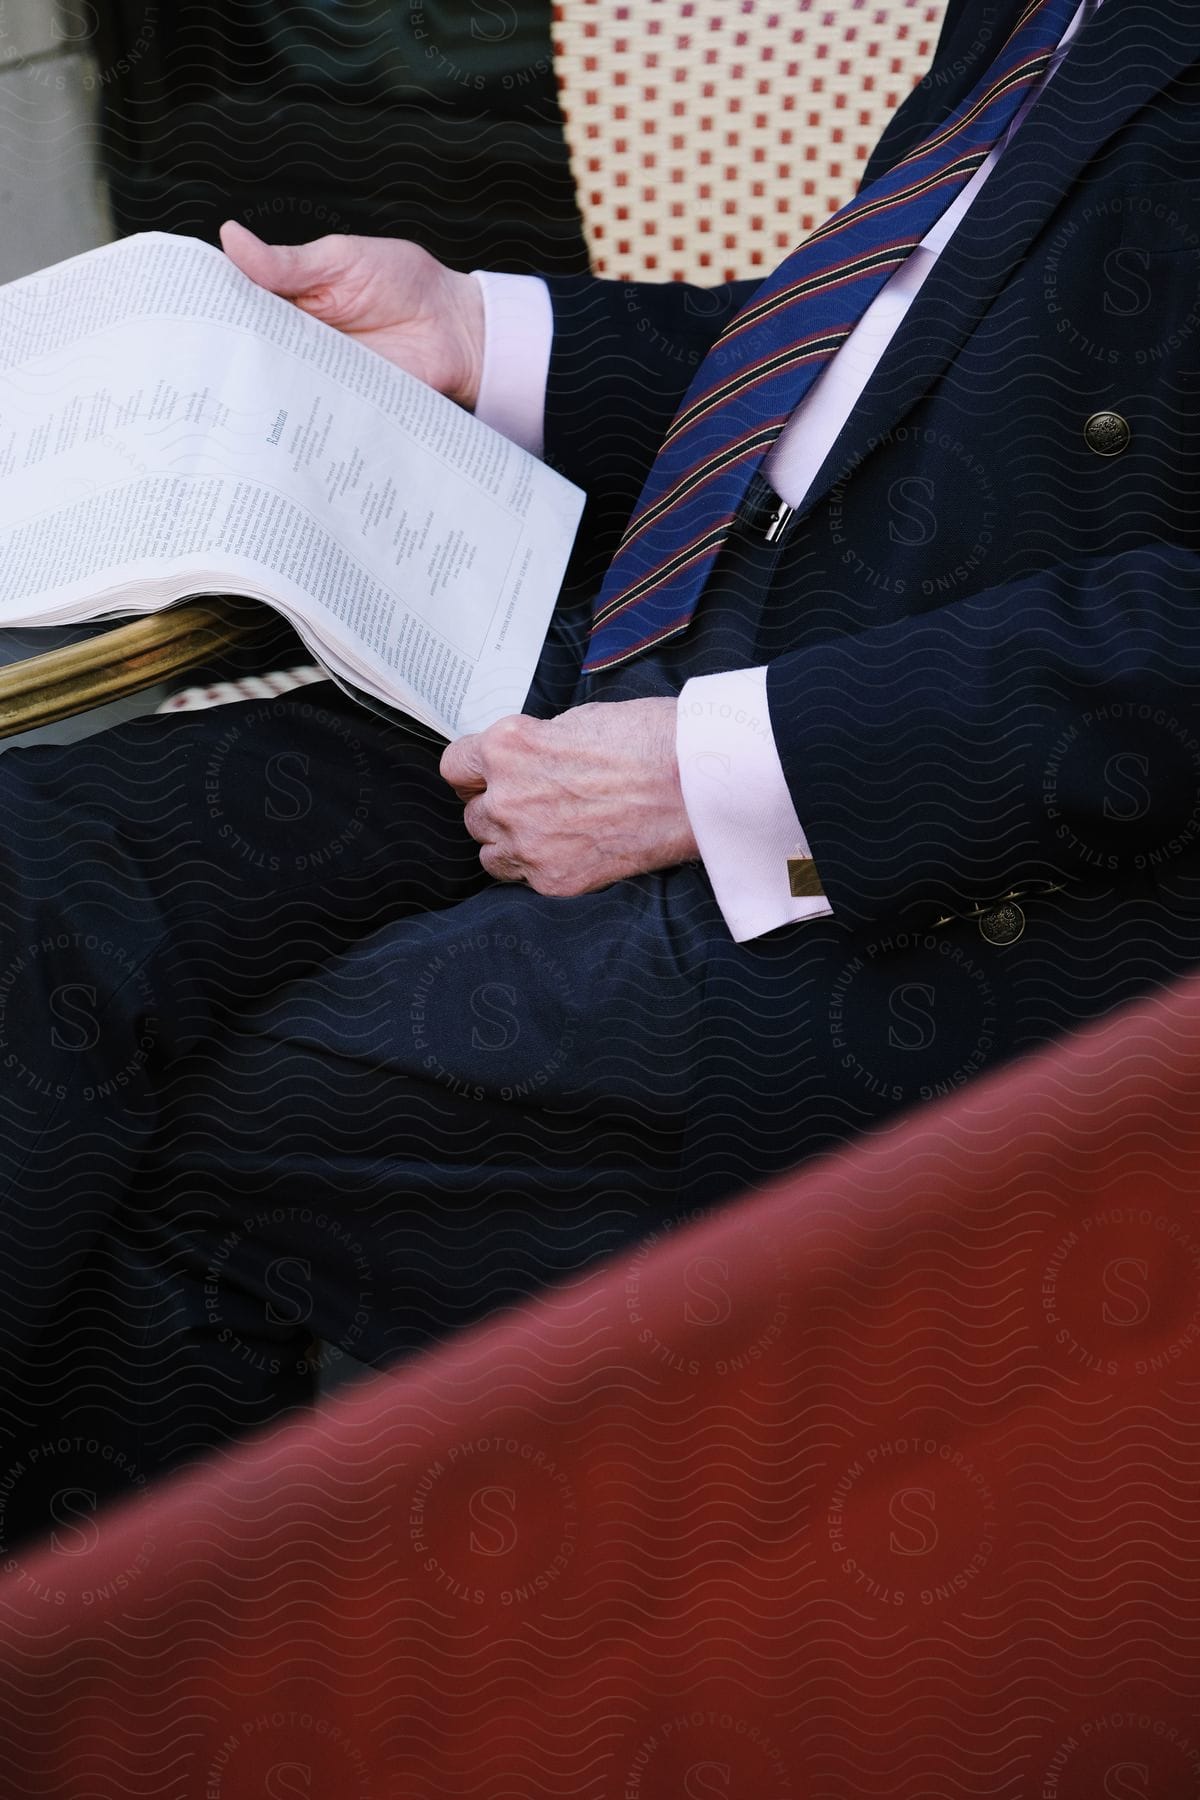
column 881, row 1483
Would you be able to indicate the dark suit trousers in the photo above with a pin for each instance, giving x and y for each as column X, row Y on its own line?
column 285, row 1075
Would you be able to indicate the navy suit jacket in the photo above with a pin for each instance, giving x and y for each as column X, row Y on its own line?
column 995, row 674
column 982, row 634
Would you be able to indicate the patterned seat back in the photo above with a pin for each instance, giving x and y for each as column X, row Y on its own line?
column 708, row 137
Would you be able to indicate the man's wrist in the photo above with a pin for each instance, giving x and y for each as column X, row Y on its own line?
column 682, row 846
column 465, row 304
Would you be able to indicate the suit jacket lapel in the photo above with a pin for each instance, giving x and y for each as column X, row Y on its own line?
column 1126, row 54
column 973, row 32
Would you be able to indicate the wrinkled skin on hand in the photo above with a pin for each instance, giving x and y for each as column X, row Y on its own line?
column 572, row 804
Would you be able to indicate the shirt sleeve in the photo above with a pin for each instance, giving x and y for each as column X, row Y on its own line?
column 519, row 333
column 739, row 805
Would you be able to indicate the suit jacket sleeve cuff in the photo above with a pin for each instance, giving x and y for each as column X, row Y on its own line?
column 519, row 326
column 739, row 806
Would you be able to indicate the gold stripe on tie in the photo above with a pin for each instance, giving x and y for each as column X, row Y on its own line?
column 803, row 879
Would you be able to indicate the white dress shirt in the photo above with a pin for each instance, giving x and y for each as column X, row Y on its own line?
column 738, row 802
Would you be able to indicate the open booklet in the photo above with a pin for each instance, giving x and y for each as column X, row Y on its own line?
column 168, row 429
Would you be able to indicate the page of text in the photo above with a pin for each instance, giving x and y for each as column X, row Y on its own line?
column 162, row 420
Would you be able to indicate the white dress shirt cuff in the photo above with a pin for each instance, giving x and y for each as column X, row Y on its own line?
column 739, row 804
column 519, row 332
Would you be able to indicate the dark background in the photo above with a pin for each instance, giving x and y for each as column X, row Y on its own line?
column 431, row 119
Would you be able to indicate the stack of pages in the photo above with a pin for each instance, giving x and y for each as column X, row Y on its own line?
column 168, row 429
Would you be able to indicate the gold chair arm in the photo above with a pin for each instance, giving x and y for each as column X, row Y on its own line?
column 60, row 683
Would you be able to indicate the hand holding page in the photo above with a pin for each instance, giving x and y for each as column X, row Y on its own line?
column 168, row 429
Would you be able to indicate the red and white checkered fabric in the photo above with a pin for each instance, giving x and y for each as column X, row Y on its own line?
column 708, row 137
column 250, row 687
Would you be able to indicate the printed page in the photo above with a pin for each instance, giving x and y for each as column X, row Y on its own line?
column 167, row 427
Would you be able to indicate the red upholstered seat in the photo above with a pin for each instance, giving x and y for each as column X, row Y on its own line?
column 886, row 1483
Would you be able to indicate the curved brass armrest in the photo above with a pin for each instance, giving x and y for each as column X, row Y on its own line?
column 71, row 680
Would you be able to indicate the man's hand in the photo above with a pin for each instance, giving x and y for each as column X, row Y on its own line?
column 391, row 295
column 572, row 804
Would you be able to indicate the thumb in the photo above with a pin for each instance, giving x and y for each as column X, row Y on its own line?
column 462, row 766
column 286, row 269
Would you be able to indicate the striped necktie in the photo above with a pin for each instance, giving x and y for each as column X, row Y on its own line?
column 767, row 358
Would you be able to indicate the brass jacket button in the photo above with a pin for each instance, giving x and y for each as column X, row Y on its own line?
column 1107, row 433
column 1002, row 924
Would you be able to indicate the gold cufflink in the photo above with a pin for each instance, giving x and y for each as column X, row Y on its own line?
column 803, row 880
